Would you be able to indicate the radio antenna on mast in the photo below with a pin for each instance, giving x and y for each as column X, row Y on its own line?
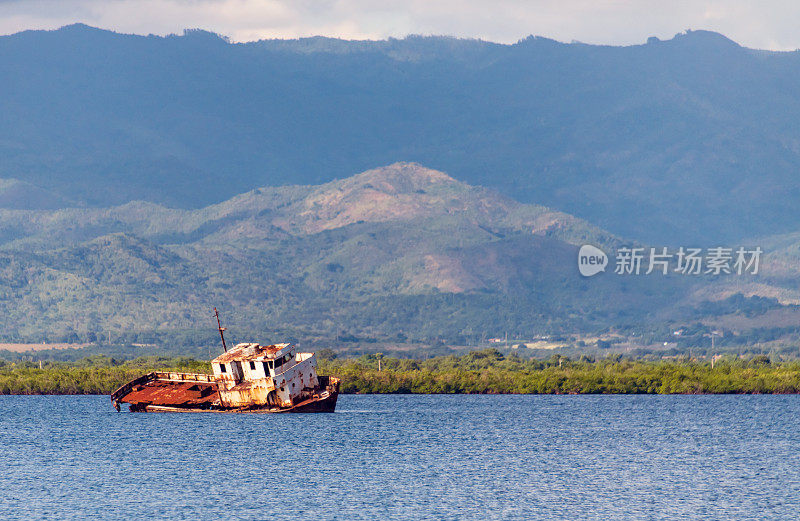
column 221, row 329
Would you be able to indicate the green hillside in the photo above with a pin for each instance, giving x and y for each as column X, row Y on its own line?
column 401, row 251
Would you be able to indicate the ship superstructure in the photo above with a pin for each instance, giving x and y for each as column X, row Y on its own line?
column 250, row 374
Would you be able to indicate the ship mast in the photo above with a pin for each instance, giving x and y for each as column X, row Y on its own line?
column 221, row 329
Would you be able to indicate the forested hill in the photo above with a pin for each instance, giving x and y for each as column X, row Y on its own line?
column 690, row 139
column 397, row 253
column 400, row 251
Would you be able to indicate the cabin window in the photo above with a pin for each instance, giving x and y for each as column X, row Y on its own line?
column 266, row 367
column 222, row 368
column 278, row 363
column 252, row 366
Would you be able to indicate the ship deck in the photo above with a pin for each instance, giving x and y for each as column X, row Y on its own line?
column 179, row 390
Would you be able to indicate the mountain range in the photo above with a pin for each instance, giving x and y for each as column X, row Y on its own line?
column 687, row 140
column 146, row 179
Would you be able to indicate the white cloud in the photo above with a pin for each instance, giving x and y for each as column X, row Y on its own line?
column 767, row 24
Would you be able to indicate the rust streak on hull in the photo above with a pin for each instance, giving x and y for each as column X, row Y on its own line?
column 326, row 404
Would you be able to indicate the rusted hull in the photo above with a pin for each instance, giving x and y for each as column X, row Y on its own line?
column 323, row 405
column 184, row 392
column 326, row 404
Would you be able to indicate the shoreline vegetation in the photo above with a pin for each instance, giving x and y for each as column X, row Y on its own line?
column 479, row 372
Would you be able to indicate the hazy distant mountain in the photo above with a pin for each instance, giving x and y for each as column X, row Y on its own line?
column 25, row 196
column 688, row 140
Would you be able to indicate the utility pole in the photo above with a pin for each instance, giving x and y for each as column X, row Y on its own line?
column 713, row 347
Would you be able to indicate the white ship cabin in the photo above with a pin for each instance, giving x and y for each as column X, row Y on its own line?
column 254, row 375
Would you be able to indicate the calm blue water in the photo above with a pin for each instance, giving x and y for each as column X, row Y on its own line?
column 407, row 457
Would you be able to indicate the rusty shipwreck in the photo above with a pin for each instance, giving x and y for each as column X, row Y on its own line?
column 247, row 378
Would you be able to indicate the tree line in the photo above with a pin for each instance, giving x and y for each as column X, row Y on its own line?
column 487, row 371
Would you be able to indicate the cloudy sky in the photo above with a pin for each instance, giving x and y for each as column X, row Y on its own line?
column 767, row 24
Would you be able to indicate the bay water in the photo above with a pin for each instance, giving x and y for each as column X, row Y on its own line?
column 407, row 457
